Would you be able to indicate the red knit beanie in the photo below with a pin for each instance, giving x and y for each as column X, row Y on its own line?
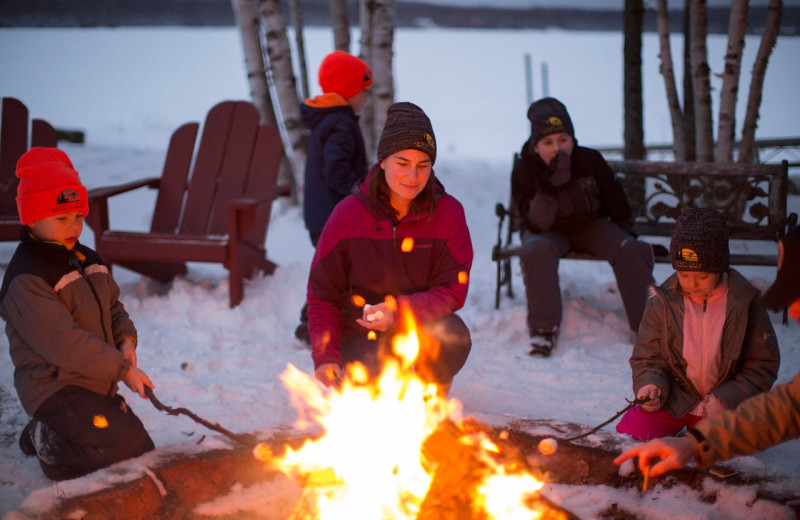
column 48, row 185
column 345, row 74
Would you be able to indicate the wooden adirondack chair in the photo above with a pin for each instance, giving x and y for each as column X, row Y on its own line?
column 17, row 136
column 219, row 213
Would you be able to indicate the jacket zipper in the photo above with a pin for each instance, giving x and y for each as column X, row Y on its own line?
column 75, row 262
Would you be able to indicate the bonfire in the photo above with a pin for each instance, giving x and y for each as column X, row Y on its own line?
column 395, row 447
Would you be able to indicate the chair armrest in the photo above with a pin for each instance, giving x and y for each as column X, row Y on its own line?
column 98, row 218
column 104, row 192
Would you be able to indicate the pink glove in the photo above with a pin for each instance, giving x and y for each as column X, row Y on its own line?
column 654, row 393
column 713, row 406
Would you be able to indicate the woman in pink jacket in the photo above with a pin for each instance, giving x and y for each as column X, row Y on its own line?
column 398, row 241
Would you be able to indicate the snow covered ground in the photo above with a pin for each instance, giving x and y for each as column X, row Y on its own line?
column 129, row 88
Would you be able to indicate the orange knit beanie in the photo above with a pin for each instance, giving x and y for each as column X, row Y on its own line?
column 345, row 74
column 48, row 185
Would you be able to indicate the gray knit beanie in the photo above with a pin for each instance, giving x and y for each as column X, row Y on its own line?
column 700, row 241
column 549, row 116
column 407, row 127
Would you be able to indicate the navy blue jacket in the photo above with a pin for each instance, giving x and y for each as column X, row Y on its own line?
column 336, row 156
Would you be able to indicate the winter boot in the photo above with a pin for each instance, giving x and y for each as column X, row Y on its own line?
column 26, row 439
column 542, row 342
column 301, row 332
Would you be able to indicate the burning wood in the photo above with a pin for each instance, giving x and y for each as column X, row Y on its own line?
column 462, row 458
column 394, row 448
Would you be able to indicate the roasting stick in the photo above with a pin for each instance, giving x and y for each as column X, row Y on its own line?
column 630, row 405
column 245, row 439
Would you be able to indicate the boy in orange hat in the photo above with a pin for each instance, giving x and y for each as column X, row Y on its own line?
column 336, row 158
column 70, row 338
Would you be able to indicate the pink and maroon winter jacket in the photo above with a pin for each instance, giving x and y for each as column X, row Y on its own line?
column 359, row 254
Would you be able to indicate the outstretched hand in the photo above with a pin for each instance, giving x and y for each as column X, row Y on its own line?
column 661, row 455
column 329, row 374
column 137, row 380
column 377, row 317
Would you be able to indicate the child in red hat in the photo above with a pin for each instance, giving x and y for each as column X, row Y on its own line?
column 335, row 154
column 70, row 338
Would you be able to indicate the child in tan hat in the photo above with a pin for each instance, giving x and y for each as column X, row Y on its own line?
column 70, row 338
column 705, row 343
column 756, row 424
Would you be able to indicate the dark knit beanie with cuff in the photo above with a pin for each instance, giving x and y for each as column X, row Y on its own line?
column 549, row 116
column 407, row 127
column 700, row 242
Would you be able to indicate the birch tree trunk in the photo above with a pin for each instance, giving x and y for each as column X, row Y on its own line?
column 279, row 63
column 701, row 81
column 377, row 42
column 667, row 70
column 340, row 23
column 246, row 13
column 299, row 41
column 689, row 130
column 729, row 92
column 770, row 36
column 634, row 125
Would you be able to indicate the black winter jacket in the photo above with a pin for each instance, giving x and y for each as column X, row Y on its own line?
column 591, row 192
column 336, row 157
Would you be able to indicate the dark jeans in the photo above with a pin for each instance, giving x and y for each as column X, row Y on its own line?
column 84, row 431
column 435, row 364
column 631, row 260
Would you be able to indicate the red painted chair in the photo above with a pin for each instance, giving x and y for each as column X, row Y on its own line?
column 218, row 213
column 17, row 136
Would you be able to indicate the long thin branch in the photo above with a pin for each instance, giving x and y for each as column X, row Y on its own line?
column 242, row 438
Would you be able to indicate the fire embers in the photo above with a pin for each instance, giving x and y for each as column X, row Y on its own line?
column 393, row 447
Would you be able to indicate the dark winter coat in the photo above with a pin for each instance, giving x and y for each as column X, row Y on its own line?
column 336, row 156
column 591, row 192
column 750, row 355
column 64, row 321
column 359, row 255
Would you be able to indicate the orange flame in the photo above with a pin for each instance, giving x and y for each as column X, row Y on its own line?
column 369, row 462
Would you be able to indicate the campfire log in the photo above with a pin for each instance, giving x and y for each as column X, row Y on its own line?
column 458, row 462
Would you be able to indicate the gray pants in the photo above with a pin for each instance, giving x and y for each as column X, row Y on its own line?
column 631, row 260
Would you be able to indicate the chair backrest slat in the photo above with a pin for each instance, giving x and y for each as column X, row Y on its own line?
column 13, row 143
column 235, row 166
column 207, row 165
column 169, row 205
column 263, row 176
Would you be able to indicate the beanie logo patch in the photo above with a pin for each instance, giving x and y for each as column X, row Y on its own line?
column 688, row 255
column 554, row 121
column 66, row 201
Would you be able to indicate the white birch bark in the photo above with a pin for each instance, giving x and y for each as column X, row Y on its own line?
column 768, row 39
column 246, row 13
column 668, row 71
column 340, row 23
column 299, row 41
column 377, row 48
column 279, row 63
column 726, row 126
column 701, row 81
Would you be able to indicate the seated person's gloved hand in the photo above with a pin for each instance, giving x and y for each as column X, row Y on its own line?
column 653, row 393
column 560, row 169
